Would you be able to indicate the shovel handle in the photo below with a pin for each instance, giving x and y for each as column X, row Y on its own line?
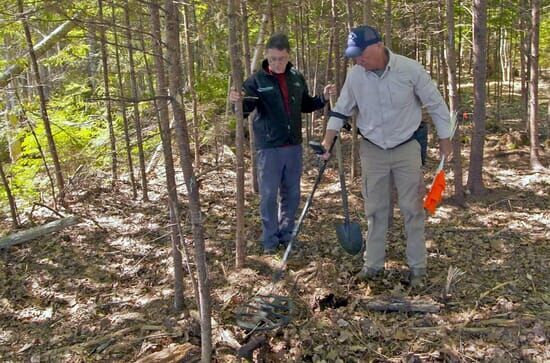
column 341, row 173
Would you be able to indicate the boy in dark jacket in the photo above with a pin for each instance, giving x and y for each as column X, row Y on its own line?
column 280, row 95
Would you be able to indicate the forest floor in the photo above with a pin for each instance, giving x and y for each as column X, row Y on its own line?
column 103, row 290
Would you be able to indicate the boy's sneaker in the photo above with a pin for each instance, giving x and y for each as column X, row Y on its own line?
column 369, row 273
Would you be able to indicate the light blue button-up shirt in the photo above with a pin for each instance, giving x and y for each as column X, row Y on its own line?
column 389, row 106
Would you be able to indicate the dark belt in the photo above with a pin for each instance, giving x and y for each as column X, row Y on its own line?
column 390, row 148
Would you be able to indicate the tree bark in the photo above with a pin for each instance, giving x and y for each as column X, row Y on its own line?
column 525, row 43
column 533, row 88
column 367, row 12
column 254, row 64
column 454, row 103
column 166, row 137
column 11, row 200
column 236, row 74
column 190, row 58
column 475, row 180
column 175, row 82
column 104, row 55
column 245, row 39
column 137, row 117
column 43, row 107
column 387, row 24
column 123, row 108
column 248, row 72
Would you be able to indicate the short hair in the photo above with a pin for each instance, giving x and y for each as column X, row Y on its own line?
column 278, row 41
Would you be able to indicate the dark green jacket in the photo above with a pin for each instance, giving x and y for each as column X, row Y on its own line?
column 273, row 127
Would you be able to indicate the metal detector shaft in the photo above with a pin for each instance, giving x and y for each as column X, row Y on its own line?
column 298, row 225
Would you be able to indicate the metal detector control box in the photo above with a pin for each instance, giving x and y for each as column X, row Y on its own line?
column 317, row 147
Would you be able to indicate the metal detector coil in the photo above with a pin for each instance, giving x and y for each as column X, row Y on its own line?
column 265, row 312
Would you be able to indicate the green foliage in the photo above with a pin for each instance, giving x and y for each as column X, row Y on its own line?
column 213, row 88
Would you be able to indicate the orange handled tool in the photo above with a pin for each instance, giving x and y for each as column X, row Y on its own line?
column 434, row 196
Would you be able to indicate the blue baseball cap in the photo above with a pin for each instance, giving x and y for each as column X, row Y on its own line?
column 359, row 38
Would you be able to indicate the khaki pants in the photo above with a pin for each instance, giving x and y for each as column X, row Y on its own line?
column 405, row 164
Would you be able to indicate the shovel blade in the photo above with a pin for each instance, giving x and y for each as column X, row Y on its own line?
column 350, row 237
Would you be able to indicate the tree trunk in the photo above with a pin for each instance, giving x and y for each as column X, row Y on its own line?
column 338, row 52
column 443, row 63
column 349, row 15
column 454, row 104
column 12, row 122
column 153, row 160
column 43, row 107
column 387, row 24
column 258, row 48
column 475, row 180
column 134, row 86
column 175, row 81
column 245, row 39
column 190, row 58
column 236, row 74
column 92, row 59
column 166, row 137
column 525, row 61
column 104, row 55
column 125, row 122
column 38, row 146
column 11, row 200
column 248, row 72
column 533, row 88
column 367, row 12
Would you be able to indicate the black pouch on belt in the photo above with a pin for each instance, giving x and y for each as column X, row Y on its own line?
column 421, row 135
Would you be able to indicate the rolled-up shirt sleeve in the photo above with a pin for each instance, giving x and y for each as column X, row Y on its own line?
column 431, row 98
column 343, row 109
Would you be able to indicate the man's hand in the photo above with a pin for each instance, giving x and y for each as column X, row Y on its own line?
column 329, row 90
column 235, row 96
column 327, row 143
column 445, row 149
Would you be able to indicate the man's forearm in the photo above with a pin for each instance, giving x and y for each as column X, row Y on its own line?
column 329, row 137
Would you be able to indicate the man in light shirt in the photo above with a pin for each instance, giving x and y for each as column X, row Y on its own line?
column 387, row 91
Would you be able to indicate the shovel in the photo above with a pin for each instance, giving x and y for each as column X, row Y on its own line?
column 349, row 233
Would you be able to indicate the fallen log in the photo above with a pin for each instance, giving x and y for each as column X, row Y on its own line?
column 402, row 304
column 35, row 232
column 184, row 353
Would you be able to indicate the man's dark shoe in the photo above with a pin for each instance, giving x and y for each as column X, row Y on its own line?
column 369, row 273
column 417, row 277
column 284, row 243
column 270, row 251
